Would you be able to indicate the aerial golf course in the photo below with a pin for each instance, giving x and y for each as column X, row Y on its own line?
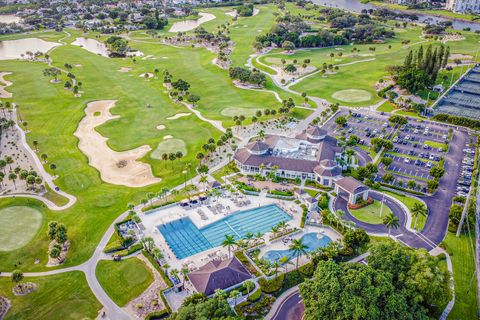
column 142, row 122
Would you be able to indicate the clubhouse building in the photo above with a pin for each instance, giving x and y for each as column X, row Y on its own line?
column 311, row 155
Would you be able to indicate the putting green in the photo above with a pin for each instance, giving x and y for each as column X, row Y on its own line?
column 169, row 146
column 352, row 95
column 18, row 225
column 233, row 111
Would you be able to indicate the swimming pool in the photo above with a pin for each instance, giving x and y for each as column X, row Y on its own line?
column 313, row 240
column 185, row 239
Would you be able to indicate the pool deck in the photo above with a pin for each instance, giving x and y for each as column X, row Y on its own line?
column 165, row 215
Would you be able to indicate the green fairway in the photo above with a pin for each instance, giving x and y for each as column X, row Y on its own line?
column 62, row 296
column 462, row 253
column 371, row 213
column 123, row 280
column 18, row 225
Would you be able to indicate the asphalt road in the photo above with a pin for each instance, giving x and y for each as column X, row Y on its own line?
column 291, row 309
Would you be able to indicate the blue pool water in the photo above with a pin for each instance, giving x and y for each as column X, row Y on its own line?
column 313, row 240
column 185, row 239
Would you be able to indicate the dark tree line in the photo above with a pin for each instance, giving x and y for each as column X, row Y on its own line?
column 246, row 76
column 420, row 68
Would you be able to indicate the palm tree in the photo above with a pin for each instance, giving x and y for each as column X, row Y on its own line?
column 9, row 161
column 53, row 167
column 203, row 180
column 12, row 176
column 391, row 222
column 249, row 236
column 44, row 157
column 284, row 261
column 258, row 236
column 262, row 167
column 174, row 273
column 275, row 265
column 249, row 285
column 418, row 210
column 298, row 248
column 150, row 197
column 3, row 164
column 229, row 242
column 184, row 272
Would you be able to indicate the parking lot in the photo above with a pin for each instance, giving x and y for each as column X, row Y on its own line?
column 418, row 146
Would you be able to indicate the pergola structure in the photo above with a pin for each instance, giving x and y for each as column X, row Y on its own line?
column 351, row 189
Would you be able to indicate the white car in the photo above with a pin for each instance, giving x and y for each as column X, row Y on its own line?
column 407, row 137
column 429, row 164
column 407, row 160
column 415, row 131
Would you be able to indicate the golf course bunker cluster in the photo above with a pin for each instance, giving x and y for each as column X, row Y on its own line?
column 120, row 168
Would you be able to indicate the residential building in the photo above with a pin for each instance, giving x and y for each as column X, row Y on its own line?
column 463, row 6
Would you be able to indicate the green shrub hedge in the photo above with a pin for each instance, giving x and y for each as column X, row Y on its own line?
column 136, row 247
column 114, row 246
column 307, row 269
column 273, row 285
column 159, row 269
column 157, row 315
column 254, row 296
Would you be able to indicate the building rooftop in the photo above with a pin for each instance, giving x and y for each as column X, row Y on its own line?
column 218, row 275
column 351, row 185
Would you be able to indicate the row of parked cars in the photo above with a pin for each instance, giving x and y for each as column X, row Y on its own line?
column 465, row 180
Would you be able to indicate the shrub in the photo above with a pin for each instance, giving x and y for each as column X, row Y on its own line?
column 307, row 269
column 157, row 315
column 136, row 247
column 304, row 215
column 273, row 285
column 159, row 269
column 114, row 246
column 254, row 296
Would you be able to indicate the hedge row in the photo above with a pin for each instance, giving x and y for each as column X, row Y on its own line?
column 157, row 315
column 272, row 285
column 159, row 269
column 256, row 295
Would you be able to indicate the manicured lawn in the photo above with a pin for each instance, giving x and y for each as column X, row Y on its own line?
column 409, row 202
column 387, row 106
column 463, row 260
column 123, row 280
column 371, row 213
column 62, row 296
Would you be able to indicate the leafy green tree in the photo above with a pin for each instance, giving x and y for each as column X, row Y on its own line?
column 341, row 121
column 117, row 46
column 52, row 229
column 17, row 276
column 61, row 236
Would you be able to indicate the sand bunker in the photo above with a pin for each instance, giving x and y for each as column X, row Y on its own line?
column 124, row 69
column 187, row 25
column 169, row 146
column 167, row 137
column 255, row 11
column 3, row 84
column 148, row 57
column 178, row 115
column 231, row 13
column 161, row 127
column 120, row 168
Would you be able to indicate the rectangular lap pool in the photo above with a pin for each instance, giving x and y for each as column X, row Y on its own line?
column 185, row 239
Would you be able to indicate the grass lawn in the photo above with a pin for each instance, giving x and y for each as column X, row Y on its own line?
column 224, row 171
column 123, row 280
column 18, row 225
column 387, row 106
column 436, row 145
column 371, row 213
column 463, row 260
column 409, row 202
column 62, row 296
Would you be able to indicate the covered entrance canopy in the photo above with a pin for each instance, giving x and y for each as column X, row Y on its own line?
column 351, row 189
